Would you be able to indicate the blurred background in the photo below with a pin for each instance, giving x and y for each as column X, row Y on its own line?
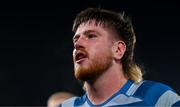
column 36, row 46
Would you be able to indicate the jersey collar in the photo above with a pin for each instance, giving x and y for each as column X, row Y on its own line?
column 123, row 90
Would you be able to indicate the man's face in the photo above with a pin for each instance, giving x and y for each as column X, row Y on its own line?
column 92, row 53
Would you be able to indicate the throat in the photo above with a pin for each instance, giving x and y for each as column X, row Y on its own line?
column 106, row 85
column 100, row 94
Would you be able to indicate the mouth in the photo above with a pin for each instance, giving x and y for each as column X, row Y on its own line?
column 80, row 56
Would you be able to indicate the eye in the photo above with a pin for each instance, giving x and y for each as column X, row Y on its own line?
column 75, row 38
column 91, row 36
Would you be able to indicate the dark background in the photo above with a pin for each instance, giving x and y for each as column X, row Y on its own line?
column 36, row 45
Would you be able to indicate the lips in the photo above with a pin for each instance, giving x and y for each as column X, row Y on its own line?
column 80, row 56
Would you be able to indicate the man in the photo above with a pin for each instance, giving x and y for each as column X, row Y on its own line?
column 57, row 98
column 103, row 58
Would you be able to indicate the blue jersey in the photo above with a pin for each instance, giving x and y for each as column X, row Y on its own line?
column 145, row 93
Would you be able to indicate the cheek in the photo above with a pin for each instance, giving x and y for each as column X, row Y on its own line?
column 100, row 48
column 101, row 51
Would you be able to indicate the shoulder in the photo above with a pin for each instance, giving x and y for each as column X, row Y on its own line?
column 153, row 87
column 157, row 93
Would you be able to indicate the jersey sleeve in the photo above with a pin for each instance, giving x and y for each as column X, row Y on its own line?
column 157, row 94
column 168, row 98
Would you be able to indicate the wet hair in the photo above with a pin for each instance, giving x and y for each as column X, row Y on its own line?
column 122, row 25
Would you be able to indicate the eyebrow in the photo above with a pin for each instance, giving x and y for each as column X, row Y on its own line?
column 89, row 31
column 86, row 33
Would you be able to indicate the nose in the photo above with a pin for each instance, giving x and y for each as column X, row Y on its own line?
column 79, row 43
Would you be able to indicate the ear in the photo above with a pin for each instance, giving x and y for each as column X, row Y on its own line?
column 119, row 49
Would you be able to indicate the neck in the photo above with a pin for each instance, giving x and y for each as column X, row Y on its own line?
column 106, row 85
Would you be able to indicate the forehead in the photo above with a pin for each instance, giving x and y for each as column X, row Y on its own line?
column 90, row 25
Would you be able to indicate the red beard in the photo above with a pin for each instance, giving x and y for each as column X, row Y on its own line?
column 95, row 66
